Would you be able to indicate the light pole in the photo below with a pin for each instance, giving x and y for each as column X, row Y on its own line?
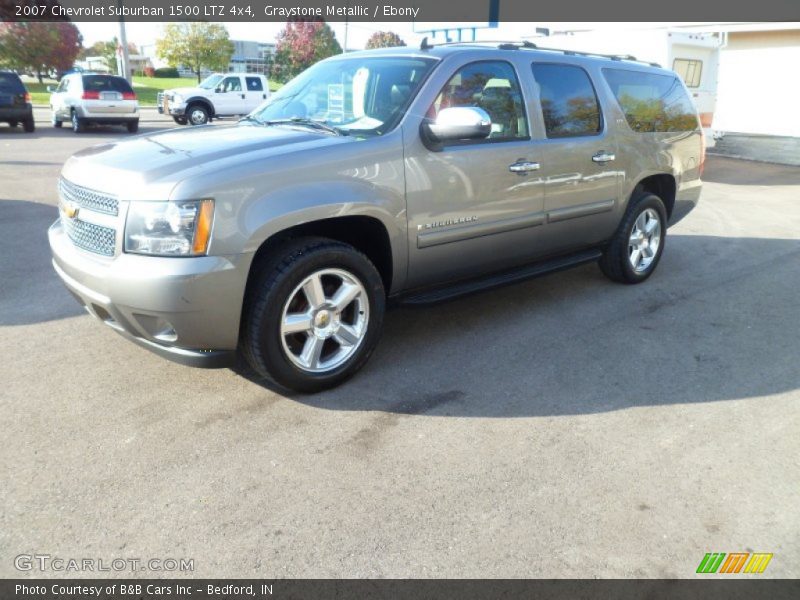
column 123, row 40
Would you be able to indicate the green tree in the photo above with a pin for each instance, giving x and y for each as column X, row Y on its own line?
column 384, row 39
column 196, row 46
column 107, row 50
column 39, row 47
column 300, row 45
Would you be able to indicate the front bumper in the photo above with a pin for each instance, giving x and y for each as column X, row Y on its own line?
column 185, row 309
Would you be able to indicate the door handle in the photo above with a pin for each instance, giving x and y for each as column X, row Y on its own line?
column 603, row 157
column 523, row 166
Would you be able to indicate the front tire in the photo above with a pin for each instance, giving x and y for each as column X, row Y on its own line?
column 197, row 114
column 56, row 121
column 180, row 120
column 313, row 314
column 636, row 248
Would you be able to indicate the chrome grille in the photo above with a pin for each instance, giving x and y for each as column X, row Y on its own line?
column 91, row 237
column 89, row 199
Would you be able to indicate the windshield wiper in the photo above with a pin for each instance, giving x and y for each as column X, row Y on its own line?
column 307, row 123
column 251, row 118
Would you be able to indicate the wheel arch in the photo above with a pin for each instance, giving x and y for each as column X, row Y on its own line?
column 366, row 233
column 663, row 185
column 209, row 106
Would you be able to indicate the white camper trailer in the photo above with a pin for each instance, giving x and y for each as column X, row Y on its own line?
column 693, row 56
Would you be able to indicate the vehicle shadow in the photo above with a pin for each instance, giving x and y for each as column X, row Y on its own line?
column 575, row 343
column 30, row 291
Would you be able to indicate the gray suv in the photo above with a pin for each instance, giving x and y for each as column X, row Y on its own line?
column 410, row 174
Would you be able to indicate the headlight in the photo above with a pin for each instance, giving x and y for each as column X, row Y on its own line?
column 169, row 228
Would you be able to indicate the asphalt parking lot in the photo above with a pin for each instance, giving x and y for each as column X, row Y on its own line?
column 563, row 427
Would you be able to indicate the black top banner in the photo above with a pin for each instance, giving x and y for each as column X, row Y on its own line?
column 433, row 11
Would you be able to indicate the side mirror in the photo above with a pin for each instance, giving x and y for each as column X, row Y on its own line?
column 51, row 88
column 218, row 90
column 459, row 123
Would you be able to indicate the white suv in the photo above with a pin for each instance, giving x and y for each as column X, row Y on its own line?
column 88, row 98
column 218, row 95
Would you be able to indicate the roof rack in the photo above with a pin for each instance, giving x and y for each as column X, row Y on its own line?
column 526, row 45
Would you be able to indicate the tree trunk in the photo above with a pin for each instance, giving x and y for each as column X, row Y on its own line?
column 39, row 75
column 198, row 75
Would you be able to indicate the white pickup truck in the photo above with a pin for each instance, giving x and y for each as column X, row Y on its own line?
column 218, row 95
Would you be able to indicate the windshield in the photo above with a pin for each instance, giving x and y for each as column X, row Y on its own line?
column 365, row 94
column 210, row 82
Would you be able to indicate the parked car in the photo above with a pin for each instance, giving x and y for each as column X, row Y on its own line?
column 15, row 102
column 84, row 99
column 411, row 174
column 218, row 95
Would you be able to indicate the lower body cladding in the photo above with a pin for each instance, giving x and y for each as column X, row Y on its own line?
column 184, row 309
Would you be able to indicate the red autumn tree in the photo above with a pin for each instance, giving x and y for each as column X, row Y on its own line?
column 384, row 39
column 39, row 47
column 300, row 45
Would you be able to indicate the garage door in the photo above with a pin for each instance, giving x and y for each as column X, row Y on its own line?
column 759, row 90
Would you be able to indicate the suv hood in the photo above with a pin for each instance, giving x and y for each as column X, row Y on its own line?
column 149, row 166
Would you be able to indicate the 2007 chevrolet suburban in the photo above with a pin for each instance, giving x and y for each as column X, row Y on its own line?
column 418, row 174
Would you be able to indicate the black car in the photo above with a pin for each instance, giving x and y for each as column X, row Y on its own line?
column 15, row 102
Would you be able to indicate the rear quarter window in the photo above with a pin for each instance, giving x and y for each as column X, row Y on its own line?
column 105, row 83
column 10, row 83
column 652, row 102
column 254, row 84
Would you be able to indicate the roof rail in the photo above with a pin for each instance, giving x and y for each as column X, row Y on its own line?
column 527, row 45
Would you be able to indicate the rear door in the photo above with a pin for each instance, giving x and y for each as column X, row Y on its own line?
column 108, row 95
column 578, row 158
column 255, row 92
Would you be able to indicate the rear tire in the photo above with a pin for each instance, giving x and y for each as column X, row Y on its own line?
column 29, row 125
column 133, row 126
column 312, row 340
column 634, row 251
column 78, row 124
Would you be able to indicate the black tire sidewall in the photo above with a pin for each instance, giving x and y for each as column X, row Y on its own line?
column 641, row 204
column 280, row 368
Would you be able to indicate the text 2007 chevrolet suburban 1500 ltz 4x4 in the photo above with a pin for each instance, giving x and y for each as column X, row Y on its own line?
column 416, row 174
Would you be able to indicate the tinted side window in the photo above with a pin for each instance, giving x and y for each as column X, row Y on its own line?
column 106, row 83
column 254, row 84
column 11, row 84
column 569, row 104
column 492, row 86
column 231, row 84
column 652, row 102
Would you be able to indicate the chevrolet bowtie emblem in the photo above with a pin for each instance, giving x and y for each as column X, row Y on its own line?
column 70, row 210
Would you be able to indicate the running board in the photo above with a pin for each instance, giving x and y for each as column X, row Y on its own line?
column 462, row 288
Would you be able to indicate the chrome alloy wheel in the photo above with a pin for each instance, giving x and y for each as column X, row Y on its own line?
column 644, row 240
column 198, row 116
column 324, row 321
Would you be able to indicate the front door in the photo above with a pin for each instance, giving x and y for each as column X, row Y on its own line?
column 472, row 207
column 229, row 97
